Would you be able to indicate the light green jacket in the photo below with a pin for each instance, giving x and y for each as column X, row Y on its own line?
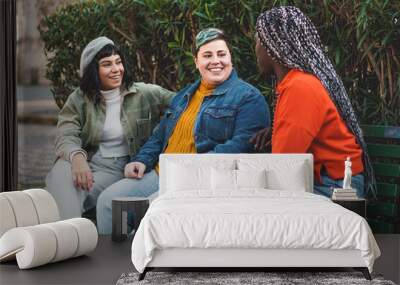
column 80, row 122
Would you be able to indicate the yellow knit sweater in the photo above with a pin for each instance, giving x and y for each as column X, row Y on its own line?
column 182, row 138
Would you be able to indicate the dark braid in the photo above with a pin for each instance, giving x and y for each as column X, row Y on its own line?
column 292, row 40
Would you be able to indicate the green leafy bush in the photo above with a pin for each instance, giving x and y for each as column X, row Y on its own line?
column 362, row 39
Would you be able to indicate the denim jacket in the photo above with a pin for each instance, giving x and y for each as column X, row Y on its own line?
column 227, row 119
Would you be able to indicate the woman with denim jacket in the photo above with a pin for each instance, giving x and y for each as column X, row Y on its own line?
column 102, row 124
column 217, row 114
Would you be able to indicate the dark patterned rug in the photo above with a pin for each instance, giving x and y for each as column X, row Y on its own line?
column 243, row 278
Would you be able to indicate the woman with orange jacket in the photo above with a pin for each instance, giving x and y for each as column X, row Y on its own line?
column 313, row 113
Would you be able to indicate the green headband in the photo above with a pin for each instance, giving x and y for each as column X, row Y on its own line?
column 207, row 35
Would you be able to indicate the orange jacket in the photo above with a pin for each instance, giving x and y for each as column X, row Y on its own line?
column 307, row 121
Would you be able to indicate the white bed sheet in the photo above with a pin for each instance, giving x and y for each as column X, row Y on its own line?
column 252, row 218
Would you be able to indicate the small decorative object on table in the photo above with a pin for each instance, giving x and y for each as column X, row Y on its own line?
column 120, row 208
column 345, row 193
column 347, row 174
column 347, row 196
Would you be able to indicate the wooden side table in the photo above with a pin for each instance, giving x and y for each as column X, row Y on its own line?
column 358, row 206
column 120, row 208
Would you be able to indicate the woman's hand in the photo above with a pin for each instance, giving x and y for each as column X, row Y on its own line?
column 135, row 170
column 261, row 140
column 81, row 173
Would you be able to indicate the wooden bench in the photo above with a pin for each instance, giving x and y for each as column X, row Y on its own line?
column 383, row 143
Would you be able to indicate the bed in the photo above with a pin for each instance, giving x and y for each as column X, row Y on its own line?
column 247, row 210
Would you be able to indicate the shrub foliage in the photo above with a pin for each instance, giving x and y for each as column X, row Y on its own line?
column 362, row 39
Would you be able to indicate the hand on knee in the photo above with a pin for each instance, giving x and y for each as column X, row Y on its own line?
column 135, row 170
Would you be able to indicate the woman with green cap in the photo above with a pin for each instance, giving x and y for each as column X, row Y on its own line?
column 218, row 113
column 103, row 123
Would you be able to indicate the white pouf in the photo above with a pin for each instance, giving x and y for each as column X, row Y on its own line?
column 31, row 233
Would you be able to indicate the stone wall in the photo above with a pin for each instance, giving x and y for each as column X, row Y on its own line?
column 31, row 61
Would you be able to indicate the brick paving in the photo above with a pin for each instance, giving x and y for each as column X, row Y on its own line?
column 37, row 116
column 35, row 153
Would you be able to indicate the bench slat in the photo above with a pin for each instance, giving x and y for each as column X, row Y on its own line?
column 383, row 209
column 383, row 142
column 388, row 190
column 384, row 150
column 381, row 131
column 384, row 227
column 386, row 169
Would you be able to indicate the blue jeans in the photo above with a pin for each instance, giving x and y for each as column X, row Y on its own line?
column 126, row 187
column 327, row 184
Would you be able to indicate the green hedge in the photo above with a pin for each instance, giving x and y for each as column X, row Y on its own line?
column 362, row 39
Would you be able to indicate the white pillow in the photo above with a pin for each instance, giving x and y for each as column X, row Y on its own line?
column 184, row 177
column 251, row 178
column 280, row 175
column 224, row 179
column 292, row 177
column 188, row 176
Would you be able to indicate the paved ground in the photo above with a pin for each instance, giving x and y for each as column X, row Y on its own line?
column 35, row 104
column 35, row 153
column 37, row 115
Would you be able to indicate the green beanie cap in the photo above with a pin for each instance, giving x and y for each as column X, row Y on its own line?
column 207, row 35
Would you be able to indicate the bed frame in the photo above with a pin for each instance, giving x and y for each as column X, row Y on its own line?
column 242, row 259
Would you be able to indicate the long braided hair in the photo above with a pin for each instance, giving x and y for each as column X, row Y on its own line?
column 292, row 40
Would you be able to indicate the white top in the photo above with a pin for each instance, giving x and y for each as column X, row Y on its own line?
column 113, row 142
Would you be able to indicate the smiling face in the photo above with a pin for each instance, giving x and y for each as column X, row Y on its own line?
column 214, row 62
column 111, row 72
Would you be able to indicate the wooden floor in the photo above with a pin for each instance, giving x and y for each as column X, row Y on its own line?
column 110, row 259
